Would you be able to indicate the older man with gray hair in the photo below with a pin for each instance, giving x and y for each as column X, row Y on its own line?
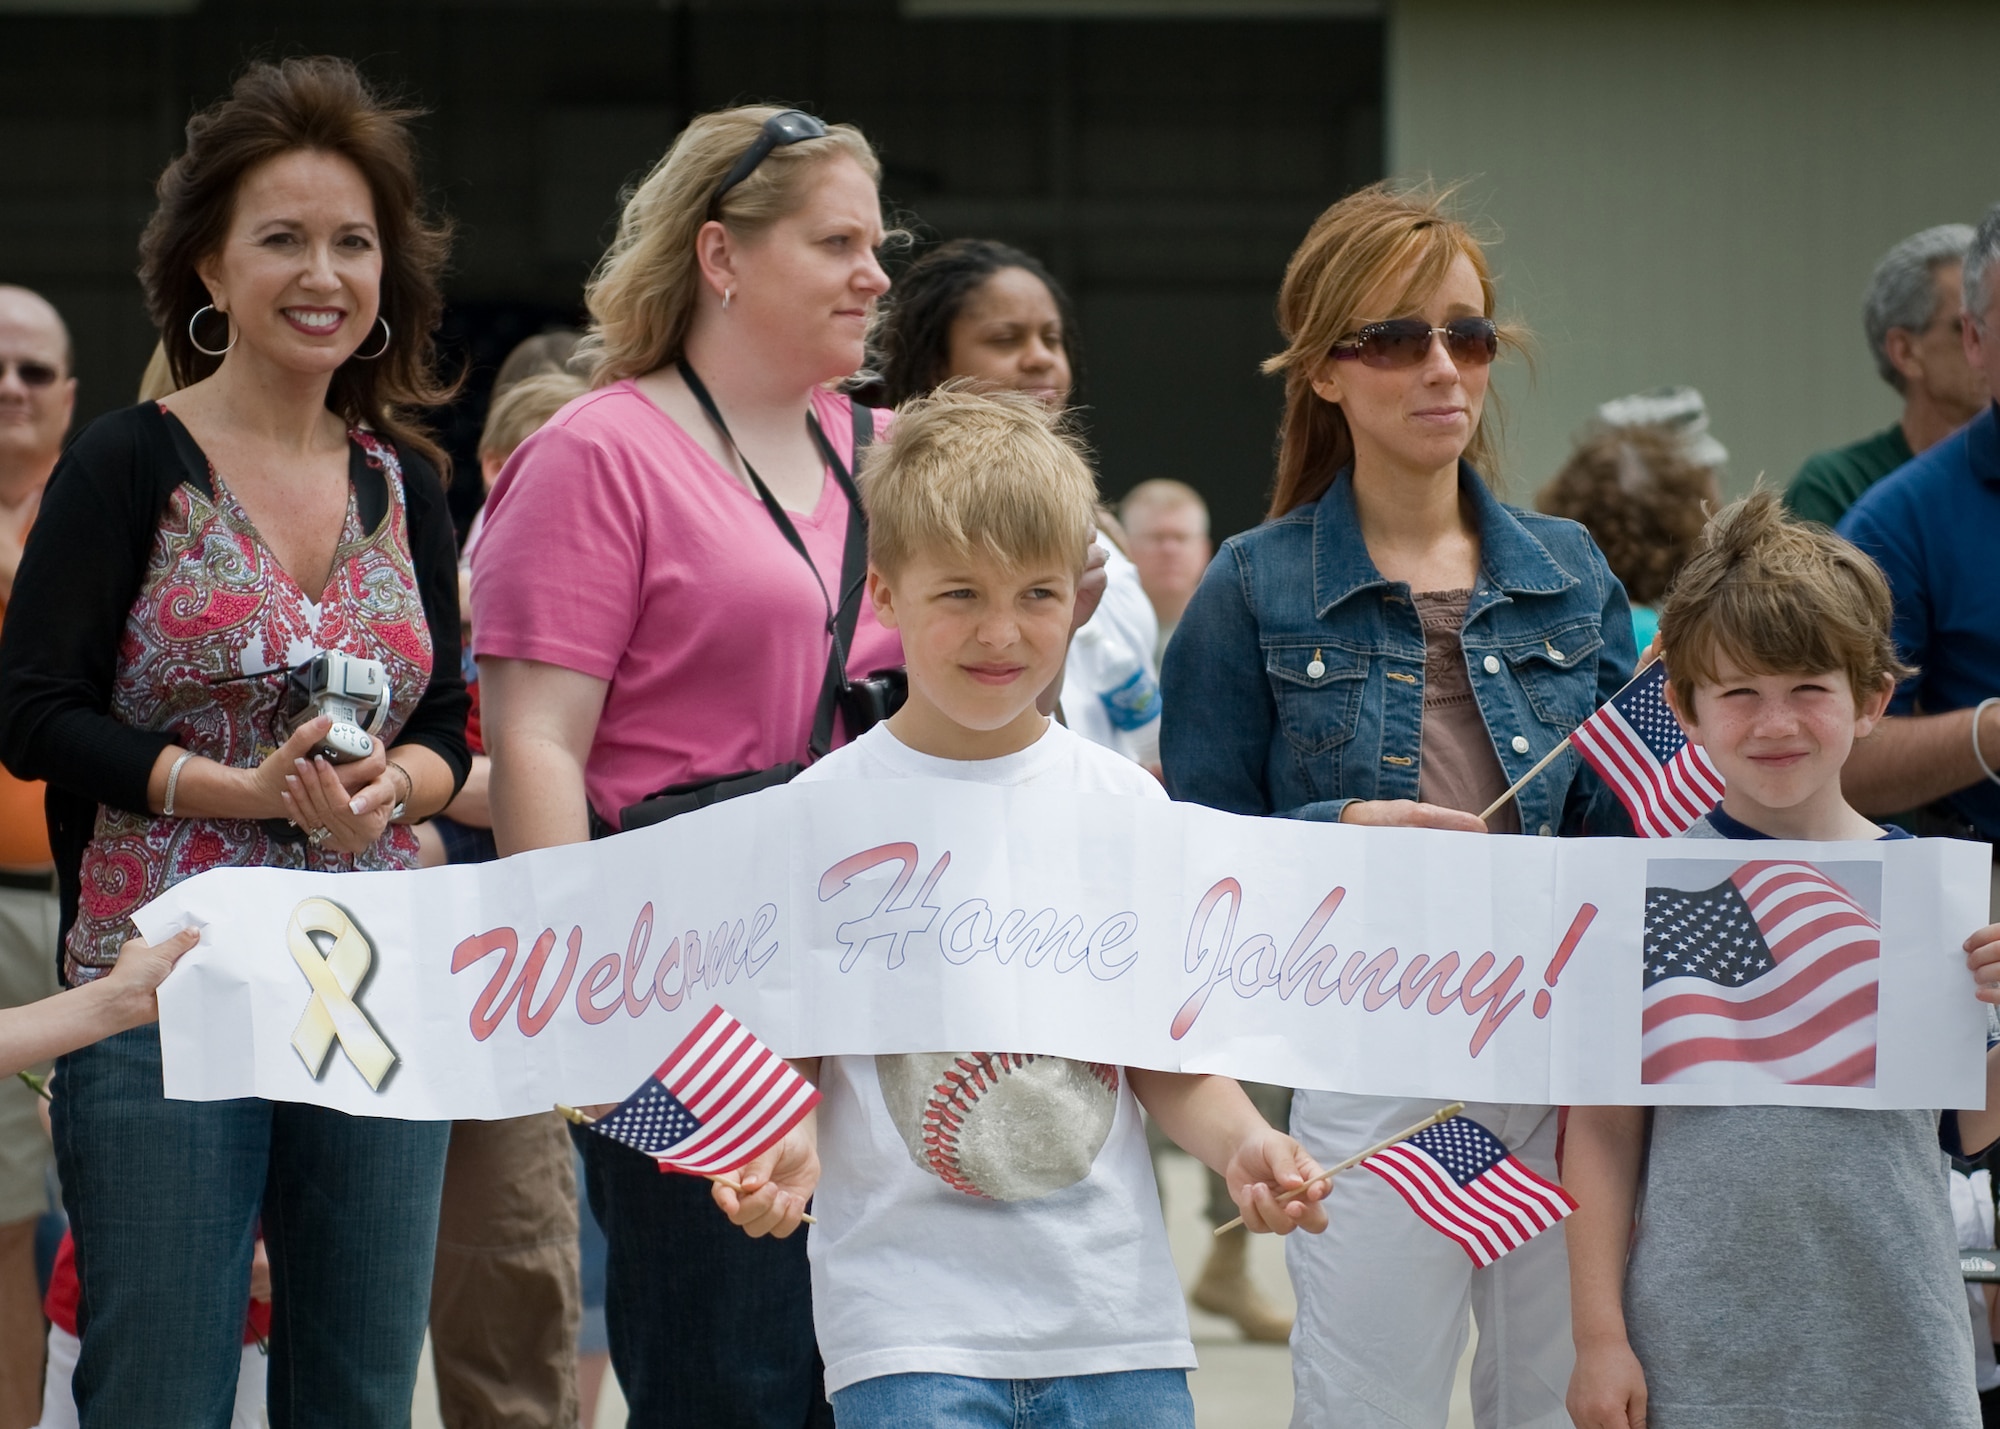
column 1934, row 528
column 1911, row 314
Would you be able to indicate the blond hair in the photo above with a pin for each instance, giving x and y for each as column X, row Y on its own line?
column 642, row 296
column 523, row 409
column 1360, row 243
column 157, row 380
column 1775, row 595
column 1161, row 493
column 964, row 474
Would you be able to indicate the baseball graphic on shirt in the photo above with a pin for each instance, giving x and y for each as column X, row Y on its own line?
column 1007, row 1126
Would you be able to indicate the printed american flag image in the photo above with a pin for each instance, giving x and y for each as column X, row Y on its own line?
column 1664, row 782
column 719, row 1101
column 1772, row 972
column 1459, row 1179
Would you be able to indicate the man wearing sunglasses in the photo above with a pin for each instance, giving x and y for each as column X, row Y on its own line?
column 36, row 395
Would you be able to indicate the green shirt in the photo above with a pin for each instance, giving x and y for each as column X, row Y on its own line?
column 1832, row 481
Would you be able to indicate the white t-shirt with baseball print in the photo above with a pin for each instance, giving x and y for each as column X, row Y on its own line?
column 911, row 1275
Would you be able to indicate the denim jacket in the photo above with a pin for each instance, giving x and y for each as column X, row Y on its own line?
column 1295, row 682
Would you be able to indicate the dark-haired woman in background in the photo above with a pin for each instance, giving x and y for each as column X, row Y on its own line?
column 280, row 503
column 975, row 308
column 980, row 310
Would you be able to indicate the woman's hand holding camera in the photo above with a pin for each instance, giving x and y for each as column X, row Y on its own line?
column 281, row 764
column 344, row 808
column 319, row 798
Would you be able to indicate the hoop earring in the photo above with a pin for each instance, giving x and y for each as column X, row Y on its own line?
column 196, row 342
column 371, row 356
column 727, row 294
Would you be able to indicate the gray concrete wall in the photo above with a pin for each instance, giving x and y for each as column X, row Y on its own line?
column 1696, row 192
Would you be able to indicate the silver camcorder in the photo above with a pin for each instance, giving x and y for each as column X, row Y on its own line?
column 353, row 692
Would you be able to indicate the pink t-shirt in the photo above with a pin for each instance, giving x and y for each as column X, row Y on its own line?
column 615, row 546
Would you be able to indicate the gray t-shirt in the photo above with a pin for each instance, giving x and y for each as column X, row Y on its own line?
column 1797, row 1268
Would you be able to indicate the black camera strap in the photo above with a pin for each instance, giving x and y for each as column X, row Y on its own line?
column 841, row 619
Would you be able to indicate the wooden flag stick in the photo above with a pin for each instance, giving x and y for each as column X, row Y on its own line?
column 585, row 1119
column 1645, row 664
column 1521, row 783
column 1443, row 1113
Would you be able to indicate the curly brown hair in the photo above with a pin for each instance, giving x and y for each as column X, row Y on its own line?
column 1643, row 499
column 319, row 104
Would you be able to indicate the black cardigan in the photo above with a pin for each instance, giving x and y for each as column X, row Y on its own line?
column 84, row 563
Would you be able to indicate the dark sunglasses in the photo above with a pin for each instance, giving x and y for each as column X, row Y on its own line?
column 790, row 127
column 32, row 374
column 1403, row 342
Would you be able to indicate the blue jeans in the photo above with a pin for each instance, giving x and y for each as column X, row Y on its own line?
column 1133, row 1399
column 165, row 1197
column 591, row 1336
column 709, row 1328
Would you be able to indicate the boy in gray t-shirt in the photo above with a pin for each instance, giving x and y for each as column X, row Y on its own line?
column 1791, row 1267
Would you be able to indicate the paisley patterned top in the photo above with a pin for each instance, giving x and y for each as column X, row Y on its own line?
column 203, row 655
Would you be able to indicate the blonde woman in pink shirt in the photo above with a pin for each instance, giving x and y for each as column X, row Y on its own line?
column 653, row 594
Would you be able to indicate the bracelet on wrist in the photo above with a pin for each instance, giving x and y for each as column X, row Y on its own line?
column 1978, row 714
column 409, row 791
column 173, row 782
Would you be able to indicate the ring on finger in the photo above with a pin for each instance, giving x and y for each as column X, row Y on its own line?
column 319, row 835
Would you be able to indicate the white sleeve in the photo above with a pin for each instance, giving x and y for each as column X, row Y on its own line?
column 1123, row 629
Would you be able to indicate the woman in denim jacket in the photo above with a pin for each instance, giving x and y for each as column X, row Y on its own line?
column 1396, row 646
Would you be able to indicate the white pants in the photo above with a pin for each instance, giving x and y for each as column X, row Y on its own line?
column 59, row 1406
column 1383, row 1297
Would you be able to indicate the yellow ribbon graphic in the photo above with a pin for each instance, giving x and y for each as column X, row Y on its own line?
column 332, row 1012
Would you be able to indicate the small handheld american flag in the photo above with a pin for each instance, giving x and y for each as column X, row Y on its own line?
column 719, row 1101
column 1664, row 782
column 1460, row 1180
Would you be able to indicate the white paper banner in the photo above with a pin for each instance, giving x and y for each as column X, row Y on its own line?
column 911, row 916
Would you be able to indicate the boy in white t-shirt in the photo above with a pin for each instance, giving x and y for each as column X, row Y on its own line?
column 1023, row 1280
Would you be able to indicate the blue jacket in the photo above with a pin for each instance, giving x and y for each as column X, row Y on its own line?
column 1933, row 525
column 1250, row 727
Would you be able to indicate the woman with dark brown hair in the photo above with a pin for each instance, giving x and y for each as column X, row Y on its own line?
column 279, row 508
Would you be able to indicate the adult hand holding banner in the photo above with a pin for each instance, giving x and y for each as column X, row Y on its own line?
column 909, row 916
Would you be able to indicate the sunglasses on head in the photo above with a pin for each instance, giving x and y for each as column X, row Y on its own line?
column 789, row 127
column 31, row 373
column 1403, row 342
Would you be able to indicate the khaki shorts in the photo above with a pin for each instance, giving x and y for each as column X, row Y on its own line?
column 27, row 974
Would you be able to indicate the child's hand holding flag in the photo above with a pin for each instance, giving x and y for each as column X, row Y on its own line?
column 722, row 1104
column 1277, row 1186
column 770, row 1195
